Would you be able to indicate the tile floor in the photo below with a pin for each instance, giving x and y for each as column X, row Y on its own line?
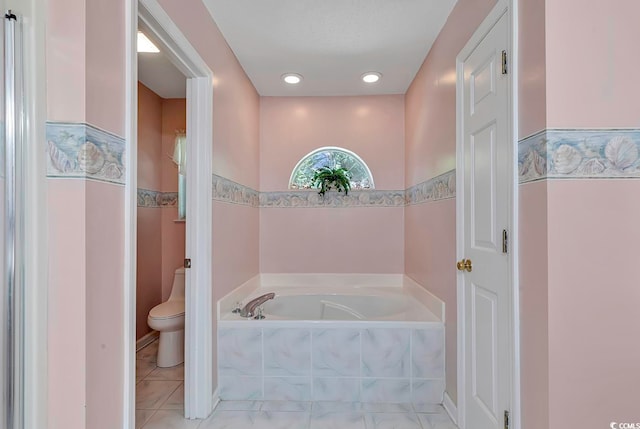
column 160, row 394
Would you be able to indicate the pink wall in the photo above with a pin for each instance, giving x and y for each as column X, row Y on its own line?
column 236, row 102
column 85, row 83
column 532, row 106
column 105, row 64
column 67, row 336
column 105, row 312
column 174, row 117
column 430, row 146
column 593, row 302
column 291, row 240
column 430, row 150
column 332, row 240
column 105, row 108
column 576, row 291
column 66, row 35
column 240, row 259
column 235, row 130
column 533, row 245
column 235, row 253
column 534, row 311
column 430, row 254
column 149, row 236
column 150, row 122
column 149, row 266
column 370, row 126
column 589, row 82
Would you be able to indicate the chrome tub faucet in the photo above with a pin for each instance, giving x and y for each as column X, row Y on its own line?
column 249, row 309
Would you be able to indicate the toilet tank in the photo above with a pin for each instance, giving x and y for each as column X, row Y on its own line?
column 177, row 289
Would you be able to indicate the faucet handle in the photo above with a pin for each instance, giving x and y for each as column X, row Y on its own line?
column 259, row 316
column 238, row 308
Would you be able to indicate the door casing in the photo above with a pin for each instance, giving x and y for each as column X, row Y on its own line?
column 508, row 7
column 158, row 26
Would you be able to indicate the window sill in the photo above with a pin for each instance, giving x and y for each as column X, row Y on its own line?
column 179, row 220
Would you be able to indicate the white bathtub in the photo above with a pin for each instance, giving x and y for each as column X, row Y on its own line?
column 335, row 307
column 357, row 304
column 333, row 338
column 345, row 298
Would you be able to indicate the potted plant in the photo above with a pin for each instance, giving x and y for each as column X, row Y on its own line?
column 326, row 178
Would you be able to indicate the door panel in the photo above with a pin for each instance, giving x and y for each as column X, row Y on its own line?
column 486, row 209
column 483, row 160
column 484, row 352
column 482, row 82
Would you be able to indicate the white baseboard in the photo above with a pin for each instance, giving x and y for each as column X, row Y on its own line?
column 146, row 340
column 450, row 408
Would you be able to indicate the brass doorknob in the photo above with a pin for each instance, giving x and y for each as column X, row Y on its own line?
column 464, row 265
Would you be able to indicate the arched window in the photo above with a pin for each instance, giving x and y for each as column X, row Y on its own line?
column 332, row 157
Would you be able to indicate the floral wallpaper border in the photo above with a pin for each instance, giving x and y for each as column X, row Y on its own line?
column 156, row 199
column 441, row 187
column 228, row 191
column 438, row 188
column 310, row 198
column 78, row 150
column 593, row 154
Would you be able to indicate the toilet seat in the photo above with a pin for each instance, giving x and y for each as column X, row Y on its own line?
column 167, row 310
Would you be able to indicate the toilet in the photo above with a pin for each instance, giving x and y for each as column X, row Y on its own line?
column 168, row 319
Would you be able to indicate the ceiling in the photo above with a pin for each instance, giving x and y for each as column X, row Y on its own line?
column 158, row 74
column 331, row 43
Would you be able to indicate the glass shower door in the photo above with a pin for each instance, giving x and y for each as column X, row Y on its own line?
column 11, row 215
column 3, row 272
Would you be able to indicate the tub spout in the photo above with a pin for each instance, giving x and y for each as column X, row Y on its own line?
column 249, row 309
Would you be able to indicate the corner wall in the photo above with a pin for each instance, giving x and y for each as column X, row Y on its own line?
column 533, row 222
column 430, row 154
column 85, row 71
column 593, row 179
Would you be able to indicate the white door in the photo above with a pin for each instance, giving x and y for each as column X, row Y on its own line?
column 485, row 209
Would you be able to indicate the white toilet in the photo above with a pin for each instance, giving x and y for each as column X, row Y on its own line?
column 168, row 319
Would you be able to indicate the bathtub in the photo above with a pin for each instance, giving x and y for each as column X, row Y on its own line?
column 333, row 338
column 340, row 304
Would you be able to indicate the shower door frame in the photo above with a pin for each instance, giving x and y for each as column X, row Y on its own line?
column 33, row 318
column 199, row 395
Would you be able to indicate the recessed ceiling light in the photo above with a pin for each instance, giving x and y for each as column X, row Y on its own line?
column 371, row 77
column 146, row 45
column 292, row 78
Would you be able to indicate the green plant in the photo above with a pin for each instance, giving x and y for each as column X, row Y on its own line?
column 326, row 178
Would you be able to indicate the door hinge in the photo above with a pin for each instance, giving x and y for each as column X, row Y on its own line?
column 187, row 263
column 505, row 241
column 504, row 62
column 506, row 419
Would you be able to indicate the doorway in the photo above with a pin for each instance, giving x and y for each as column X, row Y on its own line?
column 161, row 223
column 488, row 361
column 149, row 17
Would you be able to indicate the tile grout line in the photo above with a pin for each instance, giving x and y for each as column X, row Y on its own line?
column 361, row 372
column 262, row 374
column 148, row 419
column 311, row 375
column 411, row 398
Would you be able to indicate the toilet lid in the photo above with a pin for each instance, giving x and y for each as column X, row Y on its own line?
column 168, row 310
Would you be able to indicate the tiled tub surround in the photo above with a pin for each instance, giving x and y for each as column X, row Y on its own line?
column 370, row 361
